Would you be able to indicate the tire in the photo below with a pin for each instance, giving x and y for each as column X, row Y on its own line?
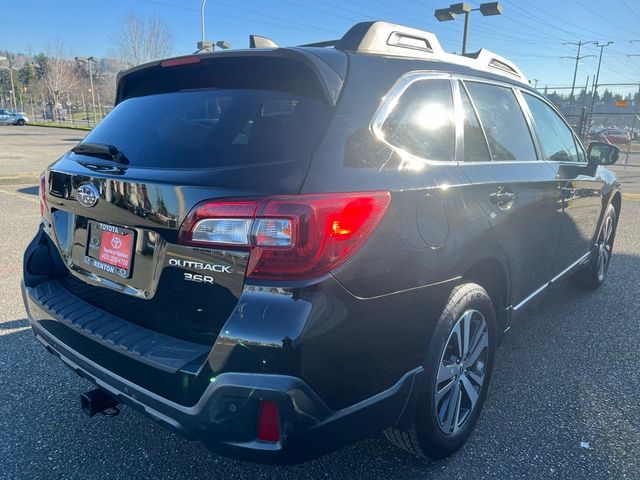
column 594, row 273
column 20, row 122
column 434, row 433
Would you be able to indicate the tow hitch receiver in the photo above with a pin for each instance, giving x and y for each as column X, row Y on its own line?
column 98, row 401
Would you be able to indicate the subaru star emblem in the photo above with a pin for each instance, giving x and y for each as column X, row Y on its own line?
column 87, row 195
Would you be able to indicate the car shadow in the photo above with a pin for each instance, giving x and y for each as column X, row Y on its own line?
column 29, row 190
column 552, row 388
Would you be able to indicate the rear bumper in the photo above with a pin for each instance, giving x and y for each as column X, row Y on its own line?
column 224, row 418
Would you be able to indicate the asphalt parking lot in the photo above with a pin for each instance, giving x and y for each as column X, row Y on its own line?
column 563, row 401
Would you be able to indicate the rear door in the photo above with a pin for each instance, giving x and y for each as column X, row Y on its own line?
column 517, row 192
column 578, row 181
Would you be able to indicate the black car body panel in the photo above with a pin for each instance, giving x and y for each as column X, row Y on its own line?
column 187, row 334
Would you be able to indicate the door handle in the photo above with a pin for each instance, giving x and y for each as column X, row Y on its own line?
column 502, row 198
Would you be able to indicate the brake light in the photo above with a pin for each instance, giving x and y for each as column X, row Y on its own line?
column 42, row 195
column 176, row 62
column 289, row 237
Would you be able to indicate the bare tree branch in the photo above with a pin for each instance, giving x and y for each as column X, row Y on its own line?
column 138, row 40
column 60, row 75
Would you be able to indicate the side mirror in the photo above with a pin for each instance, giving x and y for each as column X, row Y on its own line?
column 600, row 153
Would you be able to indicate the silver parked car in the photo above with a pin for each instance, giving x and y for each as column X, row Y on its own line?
column 7, row 117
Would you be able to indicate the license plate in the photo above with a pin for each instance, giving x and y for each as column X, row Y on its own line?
column 110, row 248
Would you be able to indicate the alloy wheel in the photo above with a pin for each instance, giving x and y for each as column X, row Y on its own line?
column 461, row 371
column 605, row 247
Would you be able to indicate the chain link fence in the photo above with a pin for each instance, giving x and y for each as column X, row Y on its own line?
column 609, row 113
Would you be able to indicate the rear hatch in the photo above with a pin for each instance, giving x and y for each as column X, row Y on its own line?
column 183, row 132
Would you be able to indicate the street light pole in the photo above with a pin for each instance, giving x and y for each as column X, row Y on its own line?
column 93, row 94
column 90, row 60
column 447, row 14
column 466, row 31
column 203, row 45
column 204, row 3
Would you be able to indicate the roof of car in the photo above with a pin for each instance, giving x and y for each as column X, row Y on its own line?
column 329, row 59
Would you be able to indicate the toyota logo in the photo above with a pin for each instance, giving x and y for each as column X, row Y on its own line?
column 87, row 195
column 116, row 243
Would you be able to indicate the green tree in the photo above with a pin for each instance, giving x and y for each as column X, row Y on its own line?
column 26, row 75
column 40, row 65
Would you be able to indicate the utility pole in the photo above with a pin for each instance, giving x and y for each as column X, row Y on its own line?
column 594, row 88
column 595, row 81
column 575, row 70
column 633, row 124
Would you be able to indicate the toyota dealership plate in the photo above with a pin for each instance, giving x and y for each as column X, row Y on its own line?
column 110, row 248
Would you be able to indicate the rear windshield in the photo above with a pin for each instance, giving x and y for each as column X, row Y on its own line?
column 238, row 118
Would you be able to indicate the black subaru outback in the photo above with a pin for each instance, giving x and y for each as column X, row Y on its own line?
column 279, row 251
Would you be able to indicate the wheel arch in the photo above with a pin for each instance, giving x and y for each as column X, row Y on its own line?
column 616, row 201
column 493, row 276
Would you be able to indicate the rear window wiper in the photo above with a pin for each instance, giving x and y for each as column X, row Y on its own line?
column 101, row 150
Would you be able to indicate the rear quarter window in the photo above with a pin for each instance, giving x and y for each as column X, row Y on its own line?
column 422, row 121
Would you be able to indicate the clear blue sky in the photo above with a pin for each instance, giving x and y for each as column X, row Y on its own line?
column 529, row 32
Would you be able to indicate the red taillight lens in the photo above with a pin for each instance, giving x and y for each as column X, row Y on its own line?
column 290, row 237
column 42, row 195
column 268, row 422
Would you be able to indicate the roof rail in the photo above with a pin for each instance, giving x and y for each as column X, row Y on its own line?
column 382, row 37
column 492, row 60
column 390, row 39
column 327, row 43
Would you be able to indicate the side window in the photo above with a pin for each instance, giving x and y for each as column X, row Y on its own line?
column 582, row 155
column 475, row 144
column 556, row 138
column 422, row 121
column 503, row 121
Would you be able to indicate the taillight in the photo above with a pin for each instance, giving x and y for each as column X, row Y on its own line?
column 289, row 237
column 42, row 195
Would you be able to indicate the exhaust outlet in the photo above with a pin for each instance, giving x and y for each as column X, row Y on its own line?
column 98, row 401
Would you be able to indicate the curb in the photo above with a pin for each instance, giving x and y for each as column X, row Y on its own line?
column 20, row 179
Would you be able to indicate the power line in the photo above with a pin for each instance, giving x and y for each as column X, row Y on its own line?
column 603, row 17
column 633, row 12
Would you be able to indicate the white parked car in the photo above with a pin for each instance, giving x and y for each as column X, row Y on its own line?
column 7, row 117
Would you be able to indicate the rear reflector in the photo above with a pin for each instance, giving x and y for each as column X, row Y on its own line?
column 268, row 422
column 289, row 237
